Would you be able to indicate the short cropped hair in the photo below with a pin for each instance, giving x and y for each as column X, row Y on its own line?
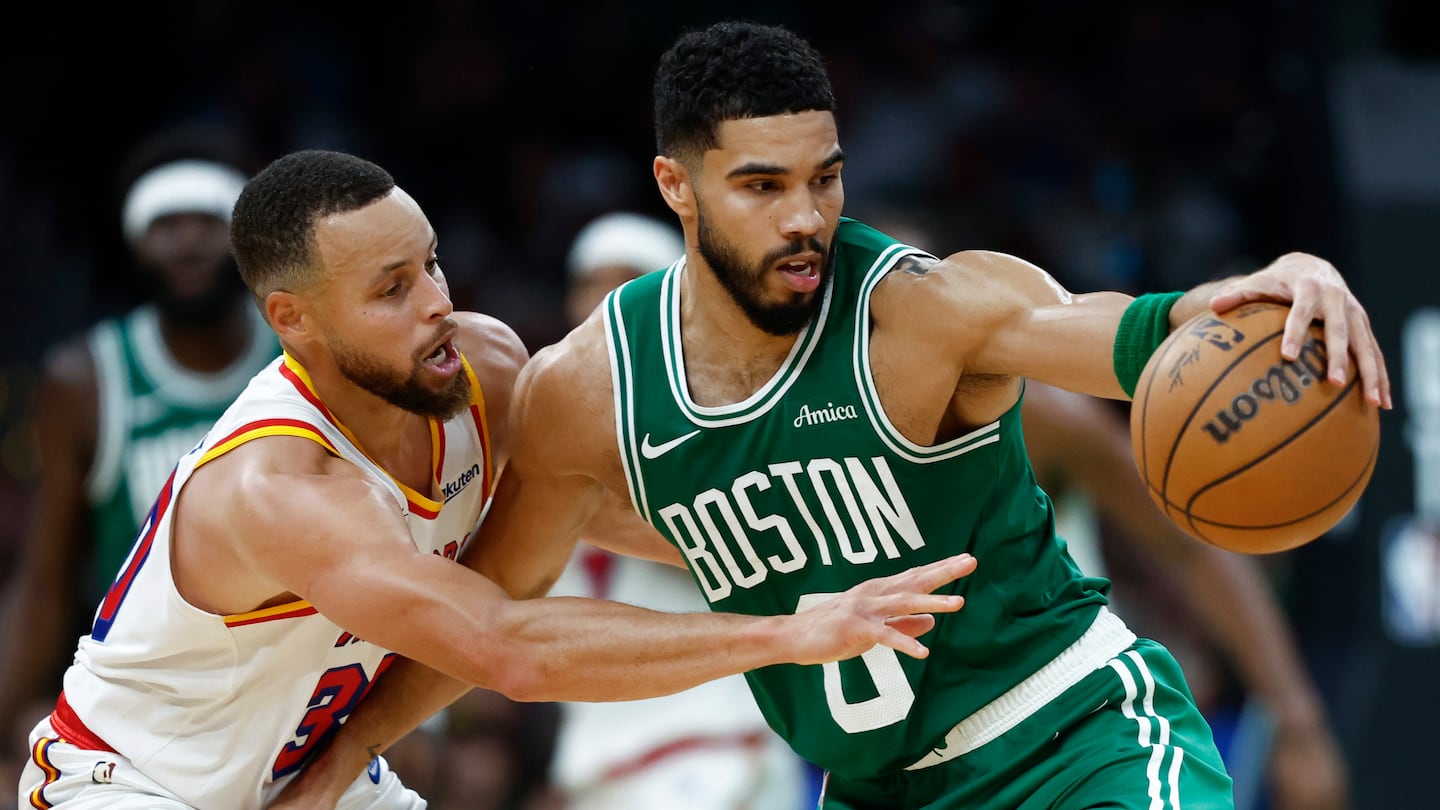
column 729, row 71
column 272, row 231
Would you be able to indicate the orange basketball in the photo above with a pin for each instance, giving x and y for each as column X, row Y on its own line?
column 1242, row 449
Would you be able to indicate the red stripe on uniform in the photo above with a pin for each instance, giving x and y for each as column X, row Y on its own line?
column 266, row 423
column 40, row 754
column 439, row 450
column 310, row 396
column 73, row 729
column 122, row 584
column 484, row 437
column 308, row 610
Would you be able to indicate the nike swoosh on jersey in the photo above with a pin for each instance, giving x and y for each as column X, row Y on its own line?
column 654, row 451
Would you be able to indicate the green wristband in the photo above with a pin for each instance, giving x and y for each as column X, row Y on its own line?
column 1143, row 327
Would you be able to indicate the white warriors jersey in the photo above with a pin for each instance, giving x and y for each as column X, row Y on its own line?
column 222, row 709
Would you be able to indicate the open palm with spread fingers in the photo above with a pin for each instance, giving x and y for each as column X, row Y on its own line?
column 889, row 611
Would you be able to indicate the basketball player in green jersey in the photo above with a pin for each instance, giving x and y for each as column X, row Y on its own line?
column 118, row 404
column 801, row 404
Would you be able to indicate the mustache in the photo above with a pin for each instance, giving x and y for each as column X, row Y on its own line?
column 445, row 326
column 794, row 248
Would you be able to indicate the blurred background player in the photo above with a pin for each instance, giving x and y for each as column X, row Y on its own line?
column 117, row 404
column 707, row 748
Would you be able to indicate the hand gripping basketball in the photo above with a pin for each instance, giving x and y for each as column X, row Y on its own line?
column 1245, row 449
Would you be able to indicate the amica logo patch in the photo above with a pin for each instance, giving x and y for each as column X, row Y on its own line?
column 819, row 416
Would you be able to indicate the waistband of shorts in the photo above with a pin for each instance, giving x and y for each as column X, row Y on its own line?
column 1106, row 638
column 72, row 730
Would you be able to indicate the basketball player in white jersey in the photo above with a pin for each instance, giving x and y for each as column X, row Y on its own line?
column 706, row 748
column 309, row 537
column 120, row 402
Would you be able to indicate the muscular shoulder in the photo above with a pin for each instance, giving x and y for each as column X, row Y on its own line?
column 246, row 515
column 492, row 348
column 496, row 354
column 564, row 402
column 962, row 299
column 977, row 285
column 269, row 482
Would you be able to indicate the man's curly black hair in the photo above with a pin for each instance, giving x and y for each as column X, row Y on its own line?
column 729, row 71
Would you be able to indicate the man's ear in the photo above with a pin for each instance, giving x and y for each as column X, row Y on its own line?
column 288, row 316
column 676, row 186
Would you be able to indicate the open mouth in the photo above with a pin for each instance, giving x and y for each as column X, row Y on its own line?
column 444, row 358
column 801, row 274
column 439, row 355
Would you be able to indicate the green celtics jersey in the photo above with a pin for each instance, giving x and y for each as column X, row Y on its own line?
column 152, row 411
column 806, row 489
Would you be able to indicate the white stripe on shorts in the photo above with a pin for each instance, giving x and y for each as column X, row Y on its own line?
column 1153, row 730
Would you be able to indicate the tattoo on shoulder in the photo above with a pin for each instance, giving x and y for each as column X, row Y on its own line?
column 918, row 265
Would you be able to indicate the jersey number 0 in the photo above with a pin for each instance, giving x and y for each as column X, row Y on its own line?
column 893, row 695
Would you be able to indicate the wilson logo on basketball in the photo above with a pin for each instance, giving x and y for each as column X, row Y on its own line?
column 1251, row 453
column 1284, row 381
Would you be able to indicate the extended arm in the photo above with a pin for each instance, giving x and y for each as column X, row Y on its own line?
column 999, row 315
column 563, row 648
column 349, row 562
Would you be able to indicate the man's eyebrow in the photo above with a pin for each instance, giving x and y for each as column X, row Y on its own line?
column 748, row 169
column 399, row 263
column 756, row 168
column 390, row 268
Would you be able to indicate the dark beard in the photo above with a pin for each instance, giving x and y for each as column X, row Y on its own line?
column 746, row 285
column 206, row 309
column 410, row 393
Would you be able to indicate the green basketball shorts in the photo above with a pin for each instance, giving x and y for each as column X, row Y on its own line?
column 1126, row 736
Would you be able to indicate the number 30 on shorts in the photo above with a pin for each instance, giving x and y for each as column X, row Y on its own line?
column 893, row 695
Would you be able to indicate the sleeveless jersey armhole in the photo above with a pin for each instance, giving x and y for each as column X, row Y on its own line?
column 266, row 427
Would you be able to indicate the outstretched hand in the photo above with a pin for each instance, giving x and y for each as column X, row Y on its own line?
column 890, row 611
column 1315, row 291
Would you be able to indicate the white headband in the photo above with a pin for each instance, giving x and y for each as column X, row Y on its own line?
column 181, row 187
column 624, row 239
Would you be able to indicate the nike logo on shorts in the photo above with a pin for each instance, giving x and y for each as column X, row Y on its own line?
column 653, row 451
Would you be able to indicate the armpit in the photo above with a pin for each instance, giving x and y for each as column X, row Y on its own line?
column 970, row 383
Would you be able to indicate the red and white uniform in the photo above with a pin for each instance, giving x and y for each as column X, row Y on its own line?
column 218, row 711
